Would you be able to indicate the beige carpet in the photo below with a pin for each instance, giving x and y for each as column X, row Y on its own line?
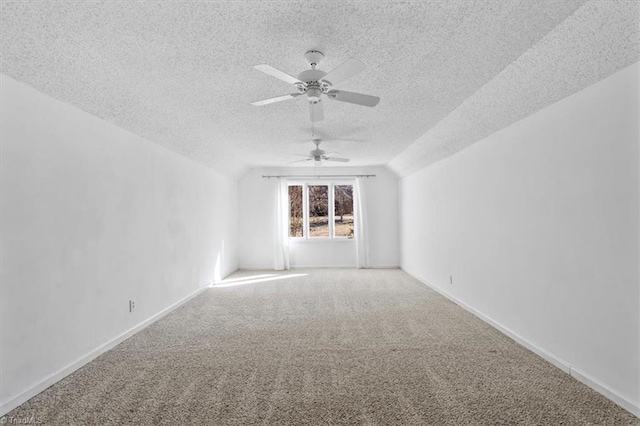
column 371, row 347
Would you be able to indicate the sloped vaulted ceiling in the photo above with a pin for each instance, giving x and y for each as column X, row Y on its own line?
column 449, row 72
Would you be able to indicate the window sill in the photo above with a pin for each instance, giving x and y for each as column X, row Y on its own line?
column 322, row 240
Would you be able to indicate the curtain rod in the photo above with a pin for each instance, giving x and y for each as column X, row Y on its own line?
column 315, row 176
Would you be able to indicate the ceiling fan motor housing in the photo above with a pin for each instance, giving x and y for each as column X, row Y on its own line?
column 313, row 86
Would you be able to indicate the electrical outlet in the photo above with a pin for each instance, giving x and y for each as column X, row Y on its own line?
column 450, row 279
column 132, row 305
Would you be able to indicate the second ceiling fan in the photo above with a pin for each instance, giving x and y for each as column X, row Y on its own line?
column 318, row 155
column 314, row 83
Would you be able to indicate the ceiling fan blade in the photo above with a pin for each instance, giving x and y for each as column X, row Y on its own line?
column 316, row 111
column 342, row 72
column 276, row 99
column 354, row 98
column 280, row 75
column 343, row 160
column 331, row 139
column 299, row 161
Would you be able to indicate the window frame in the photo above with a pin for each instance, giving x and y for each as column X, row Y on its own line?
column 331, row 210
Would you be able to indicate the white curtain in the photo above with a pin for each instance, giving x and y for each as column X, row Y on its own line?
column 362, row 243
column 281, row 257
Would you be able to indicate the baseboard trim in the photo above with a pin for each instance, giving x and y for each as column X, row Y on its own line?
column 606, row 391
column 322, row 266
column 384, row 267
column 255, row 267
column 548, row 356
column 270, row 268
column 51, row 379
column 213, row 282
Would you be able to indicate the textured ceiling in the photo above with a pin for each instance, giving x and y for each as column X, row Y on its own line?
column 448, row 72
column 597, row 40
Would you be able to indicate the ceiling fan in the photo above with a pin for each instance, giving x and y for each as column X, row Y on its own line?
column 314, row 83
column 318, row 155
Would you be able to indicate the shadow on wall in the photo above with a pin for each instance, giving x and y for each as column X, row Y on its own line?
column 253, row 279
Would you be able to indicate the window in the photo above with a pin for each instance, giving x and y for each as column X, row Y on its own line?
column 343, row 211
column 318, row 211
column 321, row 211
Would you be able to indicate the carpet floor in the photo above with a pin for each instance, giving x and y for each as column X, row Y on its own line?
column 320, row 347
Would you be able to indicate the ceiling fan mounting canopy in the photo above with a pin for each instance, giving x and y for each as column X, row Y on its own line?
column 314, row 83
column 313, row 57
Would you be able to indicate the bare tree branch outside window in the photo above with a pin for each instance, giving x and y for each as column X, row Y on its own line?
column 319, row 211
column 295, row 213
column 343, row 211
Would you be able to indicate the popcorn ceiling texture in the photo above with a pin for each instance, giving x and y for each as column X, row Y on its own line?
column 596, row 41
column 181, row 73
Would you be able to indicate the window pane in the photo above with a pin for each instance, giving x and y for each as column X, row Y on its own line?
column 318, row 211
column 343, row 213
column 295, row 211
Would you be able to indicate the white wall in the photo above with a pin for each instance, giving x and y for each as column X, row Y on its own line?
column 538, row 224
column 93, row 216
column 257, row 220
